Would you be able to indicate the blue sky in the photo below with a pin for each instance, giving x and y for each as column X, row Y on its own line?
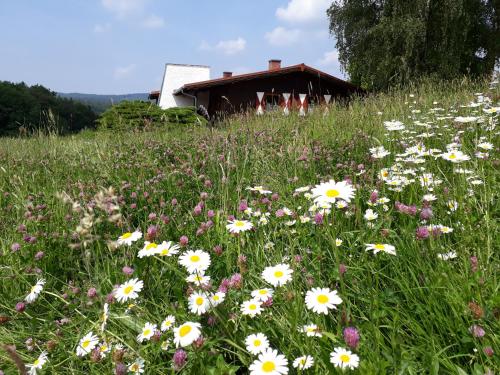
column 121, row 46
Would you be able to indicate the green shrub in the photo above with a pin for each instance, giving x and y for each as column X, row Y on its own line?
column 141, row 115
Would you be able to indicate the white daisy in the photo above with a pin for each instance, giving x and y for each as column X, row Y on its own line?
column 312, row 330
column 195, row 261
column 37, row 364
column 149, row 249
column 129, row 238
column 147, row 332
column 237, row 226
column 379, row 247
column 260, row 190
column 269, row 362
column 370, row 215
column 217, row 298
column 104, row 348
column 167, row 249
column 277, row 275
column 455, row 156
column 331, row 191
column 304, row 362
column 262, row 294
column 344, row 358
column 320, row 300
column 137, row 367
column 256, row 343
column 198, row 303
column 129, row 290
column 198, row 279
column 35, row 291
column 186, row 333
column 87, row 344
column 167, row 323
column 251, row 307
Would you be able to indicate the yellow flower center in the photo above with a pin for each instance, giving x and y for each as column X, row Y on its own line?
column 278, row 274
column 165, row 252
column 146, row 332
column 380, row 247
column 453, row 156
column 302, row 361
column 256, row 343
column 134, row 367
column 36, row 363
column 332, row 193
column 151, row 245
column 252, row 306
column 103, row 348
column 268, row 366
column 184, row 330
column 239, row 223
column 344, row 358
column 216, row 298
column 322, row 298
column 262, row 292
column 128, row 289
column 195, row 258
column 85, row 344
column 199, row 301
column 126, row 235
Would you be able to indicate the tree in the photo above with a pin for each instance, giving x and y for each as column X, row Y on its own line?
column 389, row 42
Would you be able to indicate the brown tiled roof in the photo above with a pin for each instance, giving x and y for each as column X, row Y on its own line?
column 265, row 73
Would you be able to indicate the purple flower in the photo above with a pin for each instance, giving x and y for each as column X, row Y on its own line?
column 152, row 216
column 197, row 210
column 342, row 269
column 488, row 351
column 15, row 247
column 280, row 213
column 210, row 214
column 203, row 195
column 39, row 255
column 127, row 270
column 183, row 241
column 318, row 218
column 476, row 330
column 235, row 281
column 20, row 307
column 426, row 213
column 173, row 202
column 120, row 369
column 374, row 196
column 152, row 232
column 422, row 233
column 218, row 249
column 351, row 337
column 243, row 206
column 275, row 197
column 473, row 263
column 92, row 292
column 179, row 359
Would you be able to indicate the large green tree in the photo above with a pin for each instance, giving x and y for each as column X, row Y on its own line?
column 388, row 42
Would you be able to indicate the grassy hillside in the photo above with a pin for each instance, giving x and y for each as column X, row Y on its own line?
column 400, row 276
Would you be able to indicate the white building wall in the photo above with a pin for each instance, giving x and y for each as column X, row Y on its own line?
column 177, row 75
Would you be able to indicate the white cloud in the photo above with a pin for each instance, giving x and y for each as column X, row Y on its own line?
column 281, row 36
column 123, row 71
column 102, row 28
column 329, row 58
column 153, row 22
column 231, row 47
column 124, row 8
column 300, row 11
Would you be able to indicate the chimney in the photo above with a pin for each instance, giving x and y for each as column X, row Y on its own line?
column 274, row 64
column 227, row 74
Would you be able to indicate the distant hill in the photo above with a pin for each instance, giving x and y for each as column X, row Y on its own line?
column 99, row 103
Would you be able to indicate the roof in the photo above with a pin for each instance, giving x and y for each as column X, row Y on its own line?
column 264, row 74
column 154, row 94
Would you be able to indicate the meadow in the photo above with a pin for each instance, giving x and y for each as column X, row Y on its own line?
column 364, row 239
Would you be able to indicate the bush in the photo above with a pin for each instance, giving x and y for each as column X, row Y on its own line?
column 141, row 115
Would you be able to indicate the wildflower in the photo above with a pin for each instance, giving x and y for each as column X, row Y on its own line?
column 304, row 362
column 277, row 275
column 198, row 279
column 262, row 294
column 488, row 351
column 237, row 226
column 195, row 261
column 15, row 247
column 198, row 303
column 149, row 249
column 260, row 190
column 168, row 249
column 251, row 307
column 179, row 359
column 87, row 344
column 183, row 241
column 331, row 191
column 269, row 362
column 37, row 364
column 129, row 238
column 35, row 291
column 167, row 323
column 477, row 331
column 129, row 290
column 370, row 215
column 186, row 334
column 320, row 300
column 394, row 125
column 422, row 233
column 165, row 345
column 447, row 256
column 147, row 332
column 92, row 293
column 351, row 337
column 20, row 307
column 455, row 156
column 338, row 242
column 379, row 152
column 385, row 248
column 256, row 343
column 137, row 367
column 127, row 270
column 104, row 348
column 344, row 358
column 312, row 330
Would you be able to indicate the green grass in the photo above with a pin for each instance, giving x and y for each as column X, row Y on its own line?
column 412, row 310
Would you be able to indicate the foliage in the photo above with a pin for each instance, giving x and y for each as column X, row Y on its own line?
column 66, row 200
column 137, row 115
column 389, row 42
column 99, row 103
column 25, row 110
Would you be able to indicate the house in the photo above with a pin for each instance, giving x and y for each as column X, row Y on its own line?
column 285, row 88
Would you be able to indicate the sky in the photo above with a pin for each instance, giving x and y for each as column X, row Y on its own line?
column 121, row 46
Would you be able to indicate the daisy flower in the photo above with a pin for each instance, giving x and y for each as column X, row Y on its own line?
column 168, row 249
column 370, row 215
column 35, row 291
column 269, row 362
column 380, row 247
column 338, row 242
column 186, row 333
column 251, row 308
column 87, row 344
column 237, row 226
column 379, row 152
column 137, row 367
column 330, row 191
column 167, row 323
column 198, row 303
column 147, row 332
column 260, row 190
column 256, row 343
column 320, row 300
column 104, row 348
column 304, row 362
column 455, row 156
column 165, row 345
column 262, row 294
column 277, row 275
column 198, row 279
column 312, row 330
column 149, row 249
column 37, row 364
column 344, row 358
column 195, row 261
column 129, row 290
column 447, row 256
column 129, row 238
column 217, row 298
column 394, row 125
